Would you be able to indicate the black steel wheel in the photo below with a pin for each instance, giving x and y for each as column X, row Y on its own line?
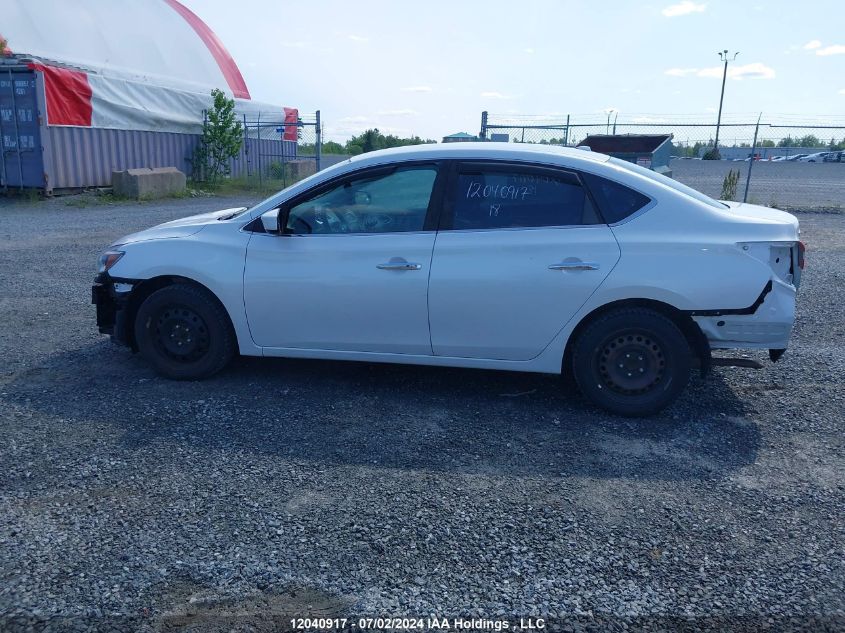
column 632, row 361
column 184, row 332
column 181, row 334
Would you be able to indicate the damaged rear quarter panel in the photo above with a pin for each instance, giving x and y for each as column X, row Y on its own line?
column 690, row 260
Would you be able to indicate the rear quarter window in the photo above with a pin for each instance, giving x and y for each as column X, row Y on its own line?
column 616, row 202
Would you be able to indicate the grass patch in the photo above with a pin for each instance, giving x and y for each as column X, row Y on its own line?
column 243, row 185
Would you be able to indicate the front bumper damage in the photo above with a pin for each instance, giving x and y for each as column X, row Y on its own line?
column 111, row 296
column 768, row 326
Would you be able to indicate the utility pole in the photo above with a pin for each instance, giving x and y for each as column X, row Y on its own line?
column 724, row 56
column 610, row 111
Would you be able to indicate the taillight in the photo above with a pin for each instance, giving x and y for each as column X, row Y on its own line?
column 801, row 249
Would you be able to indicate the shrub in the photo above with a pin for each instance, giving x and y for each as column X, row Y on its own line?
column 222, row 137
column 729, row 185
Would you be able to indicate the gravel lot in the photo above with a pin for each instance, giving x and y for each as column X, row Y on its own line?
column 786, row 185
column 289, row 488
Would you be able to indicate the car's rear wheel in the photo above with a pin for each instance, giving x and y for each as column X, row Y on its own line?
column 632, row 361
column 184, row 332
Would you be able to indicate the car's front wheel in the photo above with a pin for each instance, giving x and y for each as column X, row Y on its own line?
column 184, row 332
column 631, row 361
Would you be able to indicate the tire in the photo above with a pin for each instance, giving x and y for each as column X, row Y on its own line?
column 632, row 361
column 184, row 332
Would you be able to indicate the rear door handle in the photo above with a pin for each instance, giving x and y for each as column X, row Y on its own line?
column 399, row 266
column 574, row 266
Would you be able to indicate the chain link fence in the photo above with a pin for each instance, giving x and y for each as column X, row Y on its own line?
column 278, row 152
column 797, row 163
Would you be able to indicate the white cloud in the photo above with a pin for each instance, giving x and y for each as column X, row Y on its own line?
column 406, row 112
column 835, row 49
column 359, row 38
column 530, row 51
column 294, row 44
column 812, row 45
column 680, row 72
column 495, row 95
column 842, row 92
column 756, row 70
column 354, row 119
column 417, row 89
column 684, row 7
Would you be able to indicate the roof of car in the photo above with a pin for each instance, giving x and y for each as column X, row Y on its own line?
column 514, row 151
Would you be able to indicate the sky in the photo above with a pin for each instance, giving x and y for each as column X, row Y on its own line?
column 430, row 68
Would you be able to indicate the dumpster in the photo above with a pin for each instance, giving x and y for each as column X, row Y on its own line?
column 647, row 150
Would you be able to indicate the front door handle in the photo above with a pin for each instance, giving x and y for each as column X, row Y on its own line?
column 399, row 266
column 574, row 266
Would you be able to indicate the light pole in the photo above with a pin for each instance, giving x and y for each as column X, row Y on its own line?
column 724, row 56
column 610, row 111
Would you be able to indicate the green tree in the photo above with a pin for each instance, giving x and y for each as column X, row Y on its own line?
column 331, row 147
column 810, row 140
column 222, row 138
column 372, row 140
column 4, row 46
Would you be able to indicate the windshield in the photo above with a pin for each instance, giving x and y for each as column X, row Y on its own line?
column 669, row 182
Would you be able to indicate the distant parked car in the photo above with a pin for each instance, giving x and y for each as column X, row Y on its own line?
column 818, row 157
column 795, row 157
column 834, row 157
column 484, row 255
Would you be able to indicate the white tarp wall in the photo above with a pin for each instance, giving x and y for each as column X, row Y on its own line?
column 147, row 66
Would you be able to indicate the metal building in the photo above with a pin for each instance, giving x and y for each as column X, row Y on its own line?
column 84, row 90
column 647, row 150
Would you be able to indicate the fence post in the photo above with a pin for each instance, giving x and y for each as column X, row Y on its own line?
column 260, row 175
column 318, row 144
column 483, row 134
column 246, row 148
column 566, row 132
column 751, row 162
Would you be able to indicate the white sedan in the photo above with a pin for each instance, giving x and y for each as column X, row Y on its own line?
column 486, row 255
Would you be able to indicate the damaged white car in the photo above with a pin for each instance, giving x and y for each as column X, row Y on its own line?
column 486, row 255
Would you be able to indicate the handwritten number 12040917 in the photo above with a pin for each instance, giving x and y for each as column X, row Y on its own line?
column 502, row 192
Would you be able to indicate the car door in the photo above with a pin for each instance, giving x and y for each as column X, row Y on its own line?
column 351, row 272
column 520, row 250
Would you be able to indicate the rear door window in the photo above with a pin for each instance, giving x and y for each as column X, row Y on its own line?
column 491, row 196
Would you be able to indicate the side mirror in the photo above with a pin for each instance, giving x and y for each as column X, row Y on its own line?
column 275, row 221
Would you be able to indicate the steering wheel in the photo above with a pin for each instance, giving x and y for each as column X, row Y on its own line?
column 336, row 222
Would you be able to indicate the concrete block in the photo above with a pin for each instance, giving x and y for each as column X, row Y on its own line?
column 300, row 169
column 148, row 182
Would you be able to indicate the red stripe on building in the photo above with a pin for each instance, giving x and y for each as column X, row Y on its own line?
column 291, row 127
column 224, row 60
column 68, row 95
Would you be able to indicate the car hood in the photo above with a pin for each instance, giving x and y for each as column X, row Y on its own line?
column 183, row 227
